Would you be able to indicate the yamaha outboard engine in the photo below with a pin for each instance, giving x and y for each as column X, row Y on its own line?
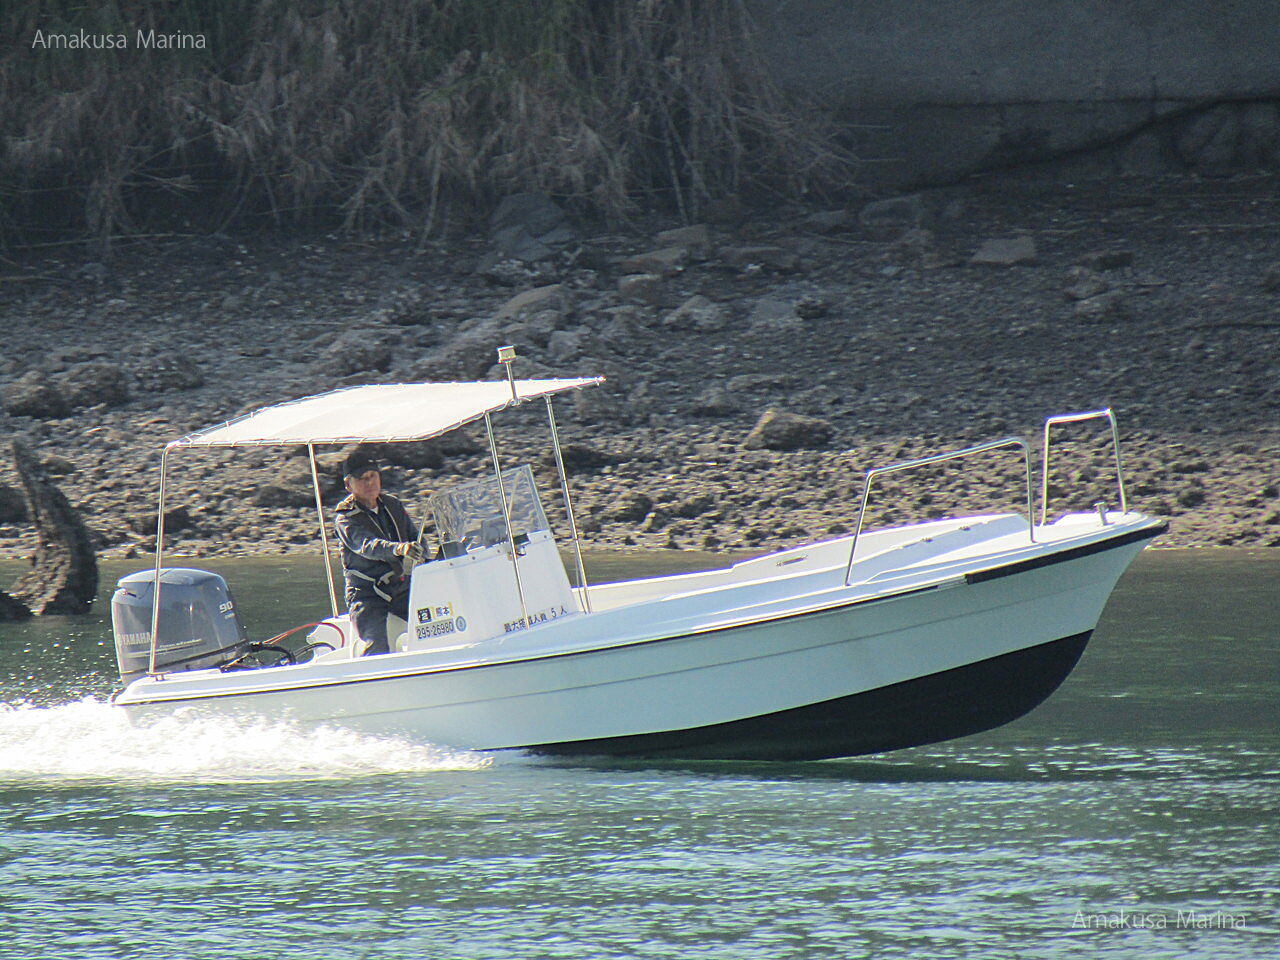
column 199, row 626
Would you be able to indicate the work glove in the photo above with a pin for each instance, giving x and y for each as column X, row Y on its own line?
column 411, row 550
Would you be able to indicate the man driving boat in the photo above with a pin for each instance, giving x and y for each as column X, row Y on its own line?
column 377, row 537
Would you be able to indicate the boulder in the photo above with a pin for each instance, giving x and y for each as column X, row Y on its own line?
column 645, row 287
column 275, row 495
column 630, row 507
column 830, row 221
column 564, row 346
column 13, row 507
column 34, row 395
column 694, row 237
column 12, row 609
column 695, row 506
column 356, row 352
column 666, row 262
column 580, row 458
column 64, row 574
column 779, row 430
column 416, row 454
column 88, row 384
column 1104, row 306
column 1083, row 283
column 895, row 214
column 698, row 313
column 552, row 297
column 56, row 466
column 527, row 227
column 1107, row 259
column 175, row 521
column 714, row 401
column 760, row 257
column 168, row 371
column 1005, row 252
column 535, row 212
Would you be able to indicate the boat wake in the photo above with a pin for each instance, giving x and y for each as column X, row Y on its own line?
column 90, row 739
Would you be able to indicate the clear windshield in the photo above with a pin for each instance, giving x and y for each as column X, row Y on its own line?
column 470, row 513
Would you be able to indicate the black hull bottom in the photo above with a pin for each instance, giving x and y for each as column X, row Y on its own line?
column 941, row 706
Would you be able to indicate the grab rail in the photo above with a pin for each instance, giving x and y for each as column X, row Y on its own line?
column 939, row 458
column 1115, row 444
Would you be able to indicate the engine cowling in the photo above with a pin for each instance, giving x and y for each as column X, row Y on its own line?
column 199, row 626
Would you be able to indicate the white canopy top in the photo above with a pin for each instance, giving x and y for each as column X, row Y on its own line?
column 375, row 413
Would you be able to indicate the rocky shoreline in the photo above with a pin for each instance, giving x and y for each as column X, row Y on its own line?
column 873, row 333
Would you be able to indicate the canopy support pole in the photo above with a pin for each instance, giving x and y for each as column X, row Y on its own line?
column 506, row 515
column 568, row 506
column 155, row 587
column 324, row 531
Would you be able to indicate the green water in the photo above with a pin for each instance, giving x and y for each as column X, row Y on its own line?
column 1142, row 798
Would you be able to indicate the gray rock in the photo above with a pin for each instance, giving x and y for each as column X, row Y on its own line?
column 779, row 430
column 94, row 272
column 273, row 495
column 812, row 307
column 1207, row 142
column 644, row 287
column 895, row 213
column 1005, row 252
column 175, row 521
column 630, row 507
column 830, row 221
column 13, row 507
column 695, row 237
column 1103, row 307
column 554, row 297
column 507, row 271
column 416, row 454
column 714, row 401
column 535, row 213
column 56, row 466
column 1083, row 283
column 34, row 395
column 168, row 371
column 666, row 262
column 359, row 351
column 12, row 609
column 771, row 309
column 760, row 257
column 1191, row 496
column 1107, row 259
column 64, row 574
column 564, row 346
column 87, row 384
column 695, row 506
column 516, row 243
column 698, row 313
column 580, row 458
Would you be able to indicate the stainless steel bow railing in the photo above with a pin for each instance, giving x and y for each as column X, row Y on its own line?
column 939, row 458
column 1115, row 445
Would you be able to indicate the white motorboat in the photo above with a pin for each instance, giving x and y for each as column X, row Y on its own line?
column 863, row 643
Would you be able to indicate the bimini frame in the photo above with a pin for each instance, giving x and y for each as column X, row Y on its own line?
column 506, row 356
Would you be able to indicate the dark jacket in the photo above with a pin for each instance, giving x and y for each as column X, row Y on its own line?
column 369, row 540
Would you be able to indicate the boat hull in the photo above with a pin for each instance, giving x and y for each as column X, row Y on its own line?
column 941, row 706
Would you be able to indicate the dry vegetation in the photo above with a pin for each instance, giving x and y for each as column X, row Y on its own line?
column 410, row 113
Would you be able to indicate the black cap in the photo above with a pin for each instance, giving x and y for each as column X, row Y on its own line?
column 358, row 464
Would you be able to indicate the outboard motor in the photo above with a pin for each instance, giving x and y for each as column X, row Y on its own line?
column 199, row 626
